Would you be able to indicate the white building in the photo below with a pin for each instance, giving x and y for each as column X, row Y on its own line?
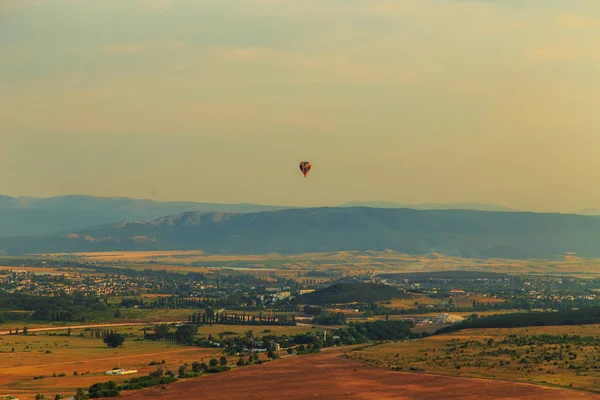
column 446, row 318
column 282, row 295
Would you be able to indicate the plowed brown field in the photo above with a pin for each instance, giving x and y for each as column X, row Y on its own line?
column 330, row 376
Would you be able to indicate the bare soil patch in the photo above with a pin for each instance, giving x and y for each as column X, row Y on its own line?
column 329, row 375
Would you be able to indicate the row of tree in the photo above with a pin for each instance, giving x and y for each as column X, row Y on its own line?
column 212, row 317
column 583, row 316
column 338, row 318
column 61, row 307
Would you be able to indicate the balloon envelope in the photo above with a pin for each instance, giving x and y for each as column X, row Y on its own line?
column 305, row 167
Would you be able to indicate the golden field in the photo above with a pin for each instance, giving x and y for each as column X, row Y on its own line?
column 463, row 314
column 258, row 330
column 412, row 302
column 348, row 262
column 470, row 353
column 42, row 355
column 328, row 375
column 128, row 315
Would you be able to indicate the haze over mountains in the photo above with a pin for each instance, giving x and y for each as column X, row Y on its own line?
column 29, row 216
column 464, row 233
column 429, row 206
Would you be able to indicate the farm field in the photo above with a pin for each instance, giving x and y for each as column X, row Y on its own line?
column 41, row 354
column 348, row 261
column 40, row 329
column 128, row 315
column 422, row 300
column 329, row 375
column 519, row 354
column 409, row 303
column 463, row 314
column 259, row 330
column 468, row 301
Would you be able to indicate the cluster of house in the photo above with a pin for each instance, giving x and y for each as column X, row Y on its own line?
column 273, row 294
column 51, row 283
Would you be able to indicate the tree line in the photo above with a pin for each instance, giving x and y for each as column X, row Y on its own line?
column 212, row 317
column 61, row 307
column 583, row 316
column 350, row 293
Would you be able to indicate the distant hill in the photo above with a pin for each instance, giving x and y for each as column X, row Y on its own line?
column 31, row 216
column 453, row 275
column 589, row 211
column 428, row 206
column 462, row 233
column 349, row 293
column 28, row 216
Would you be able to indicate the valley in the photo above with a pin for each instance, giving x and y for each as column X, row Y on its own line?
column 275, row 313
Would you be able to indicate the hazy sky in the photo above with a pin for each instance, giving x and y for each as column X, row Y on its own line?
column 219, row 100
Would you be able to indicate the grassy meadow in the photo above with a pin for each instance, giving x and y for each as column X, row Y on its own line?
column 346, row 262
column 83, row 361
column 519, row 354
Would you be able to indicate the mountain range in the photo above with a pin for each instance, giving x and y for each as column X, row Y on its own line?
column 465, row 233
column 429, row 206
column 29, row 216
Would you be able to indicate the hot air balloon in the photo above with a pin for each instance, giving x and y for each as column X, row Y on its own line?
column 305, row 167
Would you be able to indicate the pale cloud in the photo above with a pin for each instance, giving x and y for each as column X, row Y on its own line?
column 7, row 4
column 94, row 111
column 176, row 44
column 327, row 68
column 124, row 48
column 571, row 20
column 135, row 48
column 556, row 54
column 240, row 54
column 156, row 6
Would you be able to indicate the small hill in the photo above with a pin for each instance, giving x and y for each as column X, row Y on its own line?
column 589, row 211
column 454, row 275
column 349, row 293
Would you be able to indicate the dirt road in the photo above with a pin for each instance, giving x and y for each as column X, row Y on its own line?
column 73, row 327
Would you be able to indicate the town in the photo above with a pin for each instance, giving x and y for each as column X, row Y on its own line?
column 452, row 292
